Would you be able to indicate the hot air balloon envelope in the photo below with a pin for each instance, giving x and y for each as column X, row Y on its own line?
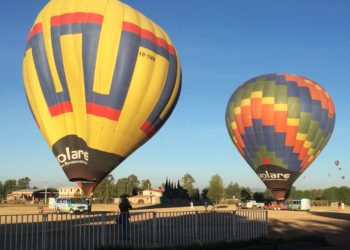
column 280, row 123
column 100, row 79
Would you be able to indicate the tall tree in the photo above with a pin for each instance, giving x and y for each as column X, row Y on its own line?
column 204, row 193
column 187, row 183
column 127, row 186
column 146, row 184
column 258, row 196
column 23, row 183
column 233, row 190
column 133, row 184
column 268, row 195
column 9, row 186
column 245, row 193
column 1, row 191
column 106, row 189
column 216, row 188
column 122, row 187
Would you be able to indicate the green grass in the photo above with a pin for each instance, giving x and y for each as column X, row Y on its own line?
column 260, row 243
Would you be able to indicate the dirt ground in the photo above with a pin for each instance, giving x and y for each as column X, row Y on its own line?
column 334, row 224
column 331, row 222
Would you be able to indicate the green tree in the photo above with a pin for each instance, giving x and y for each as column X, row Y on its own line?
column 23, row 183
column 245, row 193
column 216, row 188
column 343, row 193
column 196, row 195
column 204, row 193
column 106, row 189
column 268, row 195
column 146, row 184
column 258, row 196
column 233, row 190
column 293, row 193
column 187, row 183
column 122, row 187
column 127, row 186
column 9, row 186
column 1, row 191
column 133, row 185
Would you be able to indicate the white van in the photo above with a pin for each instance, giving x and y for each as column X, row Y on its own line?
column 301, row 205
column 70, row 205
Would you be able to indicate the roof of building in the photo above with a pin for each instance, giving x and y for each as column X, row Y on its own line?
column 154, row 190
column 34, row 190
column 69, row 187
column 140, row 196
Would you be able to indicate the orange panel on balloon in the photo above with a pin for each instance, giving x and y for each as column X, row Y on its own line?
column 255, row 108
column 280, row 121
column 267, row 114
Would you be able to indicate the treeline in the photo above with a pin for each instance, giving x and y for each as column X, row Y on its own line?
column 215, row 190
column 11, row 185
column 110, row 188
column 330, row 194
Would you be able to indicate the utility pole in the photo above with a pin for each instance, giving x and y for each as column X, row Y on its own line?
column 45, row 194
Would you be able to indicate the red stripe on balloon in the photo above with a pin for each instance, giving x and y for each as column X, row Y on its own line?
column 103, row 111
column 77, row 17
column 146, row 34
column 148, row 128
column 60, row 108
column 37, row 28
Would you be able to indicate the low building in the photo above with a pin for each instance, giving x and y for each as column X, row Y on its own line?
column 31, row 195
column 149, row 196
column 70, row 192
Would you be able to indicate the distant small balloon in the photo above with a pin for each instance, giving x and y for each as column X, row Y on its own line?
column 343, row 177
column 329, row 175
column 336, row 162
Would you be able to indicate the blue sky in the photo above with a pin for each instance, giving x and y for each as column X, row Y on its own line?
column 221, row 45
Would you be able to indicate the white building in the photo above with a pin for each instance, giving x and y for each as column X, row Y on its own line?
column 70, row 191
column 149, row 196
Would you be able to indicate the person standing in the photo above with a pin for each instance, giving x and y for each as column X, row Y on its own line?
column 124, row 208
column 88, row 203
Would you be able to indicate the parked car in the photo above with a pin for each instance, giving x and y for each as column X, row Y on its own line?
column 70, row 205
column 276, row 206
column 300, row 205
column 252, row 204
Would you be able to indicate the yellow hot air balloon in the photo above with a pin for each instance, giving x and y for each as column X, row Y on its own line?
column 101, row 79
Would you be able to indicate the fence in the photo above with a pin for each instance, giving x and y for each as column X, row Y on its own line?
column 150, row 229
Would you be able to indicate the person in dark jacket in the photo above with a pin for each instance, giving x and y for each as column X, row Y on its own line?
column 124, row 207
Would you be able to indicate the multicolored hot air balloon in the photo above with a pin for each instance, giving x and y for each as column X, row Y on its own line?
column 280, row 123
column 101, row 79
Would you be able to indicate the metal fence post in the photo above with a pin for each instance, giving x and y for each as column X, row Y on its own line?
column 196, row 227
column 44, row 233
column 266, row 224
column 154, row 230
column 103, row 228
column 234, row 225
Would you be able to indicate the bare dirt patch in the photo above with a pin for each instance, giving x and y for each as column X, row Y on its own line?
column 332, row 223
